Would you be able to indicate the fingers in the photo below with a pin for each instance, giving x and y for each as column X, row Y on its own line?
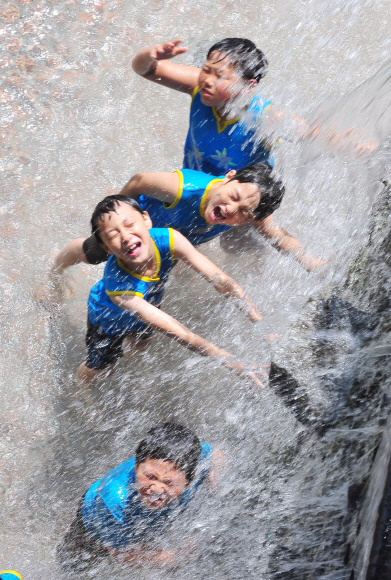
column 252, row 378
column 168, row 49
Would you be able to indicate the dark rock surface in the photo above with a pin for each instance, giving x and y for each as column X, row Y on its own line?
column 337, row 385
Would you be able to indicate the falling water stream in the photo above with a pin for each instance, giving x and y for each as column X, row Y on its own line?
column 76, row 123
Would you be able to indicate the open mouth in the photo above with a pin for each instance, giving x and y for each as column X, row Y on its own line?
column 156, row 499
column 134, row 249
column 217, row 214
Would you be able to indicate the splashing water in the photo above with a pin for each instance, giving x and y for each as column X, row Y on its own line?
column 76, row 123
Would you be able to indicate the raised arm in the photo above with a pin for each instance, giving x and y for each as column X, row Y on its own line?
column 165, row 323
column 284, row 242
column 223, row 283
column 151, row 63
column 160, row 185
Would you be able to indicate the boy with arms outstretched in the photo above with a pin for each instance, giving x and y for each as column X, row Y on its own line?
column 223, row 135
column 125, row 303
column 124, row 511
column 201, row 207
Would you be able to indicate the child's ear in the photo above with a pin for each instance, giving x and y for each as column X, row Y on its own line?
column 106, row 249
column 230, row 175
column 147, row 219
column 250, row 85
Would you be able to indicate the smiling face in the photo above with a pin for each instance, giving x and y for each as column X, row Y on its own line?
column 159, row 483
column 231, row 202
column 125, row 234
column 219, row 82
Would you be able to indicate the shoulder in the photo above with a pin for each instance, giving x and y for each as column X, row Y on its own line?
column 257, row 107
column 114, row 486
column 164, row 240
column 194, row 180
column 206, row 450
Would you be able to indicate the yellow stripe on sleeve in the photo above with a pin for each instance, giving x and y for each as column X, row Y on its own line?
column 180, row 190
column 172, row 243
column 124, row 293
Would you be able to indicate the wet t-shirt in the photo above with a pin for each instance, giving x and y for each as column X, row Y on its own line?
column 119, row 280
column 186, row 212
column 215, row 147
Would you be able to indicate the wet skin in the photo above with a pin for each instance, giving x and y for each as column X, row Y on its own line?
column 125, row 233
column 159, row 483
column 231, row 202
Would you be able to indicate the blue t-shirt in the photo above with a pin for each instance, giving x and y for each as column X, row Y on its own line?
column 186, row 212
column 213, row 148
column 118, row 280
column 114, row 514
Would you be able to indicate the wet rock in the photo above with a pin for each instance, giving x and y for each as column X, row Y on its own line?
column 14, row 45
column 25, row 63
column 10, row 13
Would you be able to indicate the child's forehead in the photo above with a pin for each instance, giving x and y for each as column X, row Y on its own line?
column 121, row 211
column 165, row 465
column 220, row 60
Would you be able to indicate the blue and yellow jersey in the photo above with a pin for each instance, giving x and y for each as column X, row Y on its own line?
column 118, row 280
column 186, row 212
column 215, row 147
column 114, row 514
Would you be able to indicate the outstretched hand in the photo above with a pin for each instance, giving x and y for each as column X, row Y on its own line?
column 167, row 50
column 254, row 375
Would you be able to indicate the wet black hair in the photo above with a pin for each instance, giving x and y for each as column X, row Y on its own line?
column 171, row 442
column 271, row 189
column 108, row 205
column 247, row 59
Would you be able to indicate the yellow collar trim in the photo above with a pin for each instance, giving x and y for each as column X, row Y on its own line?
column 220, row 128
column 193, row 94
column 155, row 277
column 205, row 194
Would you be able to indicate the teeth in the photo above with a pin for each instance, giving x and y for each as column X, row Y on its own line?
column 133, row 246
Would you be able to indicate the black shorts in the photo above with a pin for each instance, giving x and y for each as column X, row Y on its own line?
column 79, row 551
column 105, row 349
column 93, row 252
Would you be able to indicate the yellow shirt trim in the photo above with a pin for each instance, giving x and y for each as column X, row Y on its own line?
column 12, row 572
column 203, row 199
column 225, row 124
column 124, row 293
column 193, row 94
column 155, row 277
column 180, row 190
column 172, row 243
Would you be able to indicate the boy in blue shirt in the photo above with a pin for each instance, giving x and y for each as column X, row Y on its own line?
column 125, row 303
column 201, row 207
column 123, row 512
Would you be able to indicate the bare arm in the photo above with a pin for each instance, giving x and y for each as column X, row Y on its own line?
column 144, row 555
column 151, row 64
column 166, row 324
column 336, row 138
column 284, row 242
column 223, row 283
column 160, row 185
column 216, row 469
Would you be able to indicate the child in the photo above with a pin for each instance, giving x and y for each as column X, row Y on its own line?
column 201, row 207
column 125, row 303
column 122, row 513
